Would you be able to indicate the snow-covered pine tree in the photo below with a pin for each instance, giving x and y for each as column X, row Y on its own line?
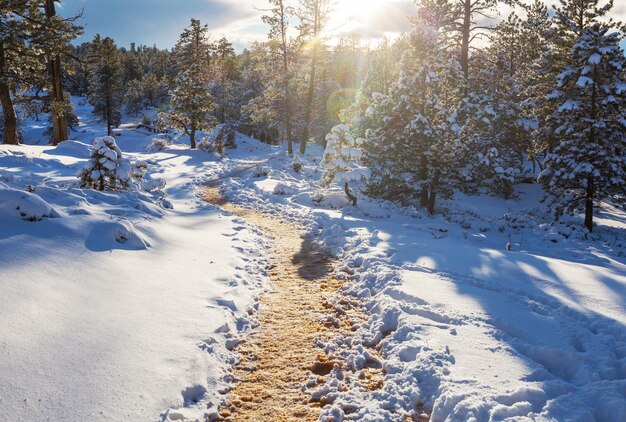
column 571, row 18
column 342, row 160
column 12, row 40
column 191, row 105
column 528, row 72
column 496, row 122
column 106, row 91
column 33, row 41
column 106, row 168
column 417, row 151
column 489, row 127
column 589, row 162
column 223, row 84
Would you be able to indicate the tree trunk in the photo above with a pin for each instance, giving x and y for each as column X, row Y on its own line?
column 423, row 173
column 589, row 203
column 59, row 122
column 591, row 189
column 287, row 99
column 192, row 137
column 309, row 100
column 109, row 113
column 465, row 39
column 349, row 194
column 8, row 111
column 433, row 193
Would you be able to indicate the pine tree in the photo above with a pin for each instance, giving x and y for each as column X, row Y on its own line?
column 151, row 89
column 37, row 41
column 462, row 25
column 132, row 66
column 223, row 81
column 106, row 90
column 58, row 33
column 191, row 105
column 500, row 125
column 589, row 162
column 418, row 152
column 191, row 102
column 571, row 18
column 13, row 34
column 278, row 21
column 106, row 168
column 133, row 98
column 341, row 160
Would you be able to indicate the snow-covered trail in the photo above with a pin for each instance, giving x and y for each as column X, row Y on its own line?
column 282, row 355
column 466, row 329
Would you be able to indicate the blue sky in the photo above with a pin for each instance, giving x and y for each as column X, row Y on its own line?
column 160, row 22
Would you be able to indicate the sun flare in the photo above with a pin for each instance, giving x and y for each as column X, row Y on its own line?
column 359, row 10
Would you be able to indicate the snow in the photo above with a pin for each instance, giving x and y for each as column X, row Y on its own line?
column 569, row 104
column 127, row 305
column 582, row 82
column 25, row 205
column 468, row 329
column 595, row 58
column 119, row 307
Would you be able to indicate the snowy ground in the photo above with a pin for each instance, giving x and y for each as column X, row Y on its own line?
column 119, row 307
column 467, row 329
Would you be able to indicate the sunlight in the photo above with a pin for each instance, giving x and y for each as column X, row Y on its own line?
column 362, row 10
column 371, row 20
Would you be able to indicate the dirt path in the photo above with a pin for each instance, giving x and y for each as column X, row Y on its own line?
column 280, row 356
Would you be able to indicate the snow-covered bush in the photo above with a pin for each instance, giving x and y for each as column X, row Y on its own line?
column 138, row 170
column 223, row 138
column 159, row 144
column 153, row 185
column 211, row 147
column 284, row 189
column 297, row 164
column 106, row 169
column 225, row 135
column 341, row 162
column 496, row 172
column 25, row 205
column 261, row 171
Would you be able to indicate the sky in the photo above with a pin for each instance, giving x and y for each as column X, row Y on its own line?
column 160, row 22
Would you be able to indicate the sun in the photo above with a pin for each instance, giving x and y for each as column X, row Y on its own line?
column 362, row 11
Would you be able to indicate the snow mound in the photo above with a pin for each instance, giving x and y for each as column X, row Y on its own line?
column 71, row 149
column 119, row 234
column 153, row 185
column 284, row 189
column 25, row 205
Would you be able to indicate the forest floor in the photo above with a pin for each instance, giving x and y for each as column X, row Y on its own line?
column 281, row 355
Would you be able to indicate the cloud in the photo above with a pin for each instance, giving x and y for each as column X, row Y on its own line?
column 382, row 18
